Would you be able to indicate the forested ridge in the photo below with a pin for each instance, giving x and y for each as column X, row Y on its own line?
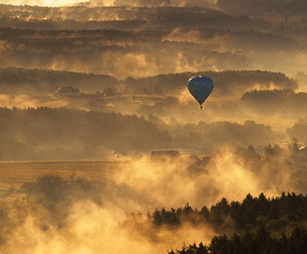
column 275, row 213
column 250, row 243
column 37, row 81
column 32, row 132
column 151, row 17
column 260, row 7
column 257, row 225
column 61, row 133
column 226, row 82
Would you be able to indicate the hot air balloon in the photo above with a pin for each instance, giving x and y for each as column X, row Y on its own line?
column 200, row 87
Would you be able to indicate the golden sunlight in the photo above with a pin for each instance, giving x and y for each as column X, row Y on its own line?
column 42, row 2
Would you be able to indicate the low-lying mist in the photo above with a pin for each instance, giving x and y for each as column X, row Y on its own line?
column 119, row 214
column 115, row 56
column 154, row 40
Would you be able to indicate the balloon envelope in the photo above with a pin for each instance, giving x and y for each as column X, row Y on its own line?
column 200, row 87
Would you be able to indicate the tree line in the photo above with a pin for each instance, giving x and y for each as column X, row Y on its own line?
column 261, row 241
column 62, row 133
column 38, row 81
column 275, row 214
column 264, row 7
column 258, row 225
column 81, row 17
column 226, row 82
column 17, row 80
column 59, row 133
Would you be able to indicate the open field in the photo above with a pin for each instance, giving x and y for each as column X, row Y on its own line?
column 14, row 174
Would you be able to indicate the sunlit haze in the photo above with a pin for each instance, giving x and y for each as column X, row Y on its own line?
column 153, row 126
column 58, row 3
column 42, row 2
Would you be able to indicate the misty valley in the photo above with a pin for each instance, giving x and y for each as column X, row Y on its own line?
column 104, row 150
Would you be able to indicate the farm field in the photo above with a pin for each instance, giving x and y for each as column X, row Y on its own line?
column 14, row 174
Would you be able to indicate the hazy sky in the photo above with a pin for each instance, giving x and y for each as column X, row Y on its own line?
column 42, row 2
column 103, row 2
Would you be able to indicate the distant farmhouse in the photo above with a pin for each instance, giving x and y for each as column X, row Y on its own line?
column 67, row 91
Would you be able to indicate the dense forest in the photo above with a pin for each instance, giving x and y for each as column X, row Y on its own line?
column 259, row 242
column 276, row 214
